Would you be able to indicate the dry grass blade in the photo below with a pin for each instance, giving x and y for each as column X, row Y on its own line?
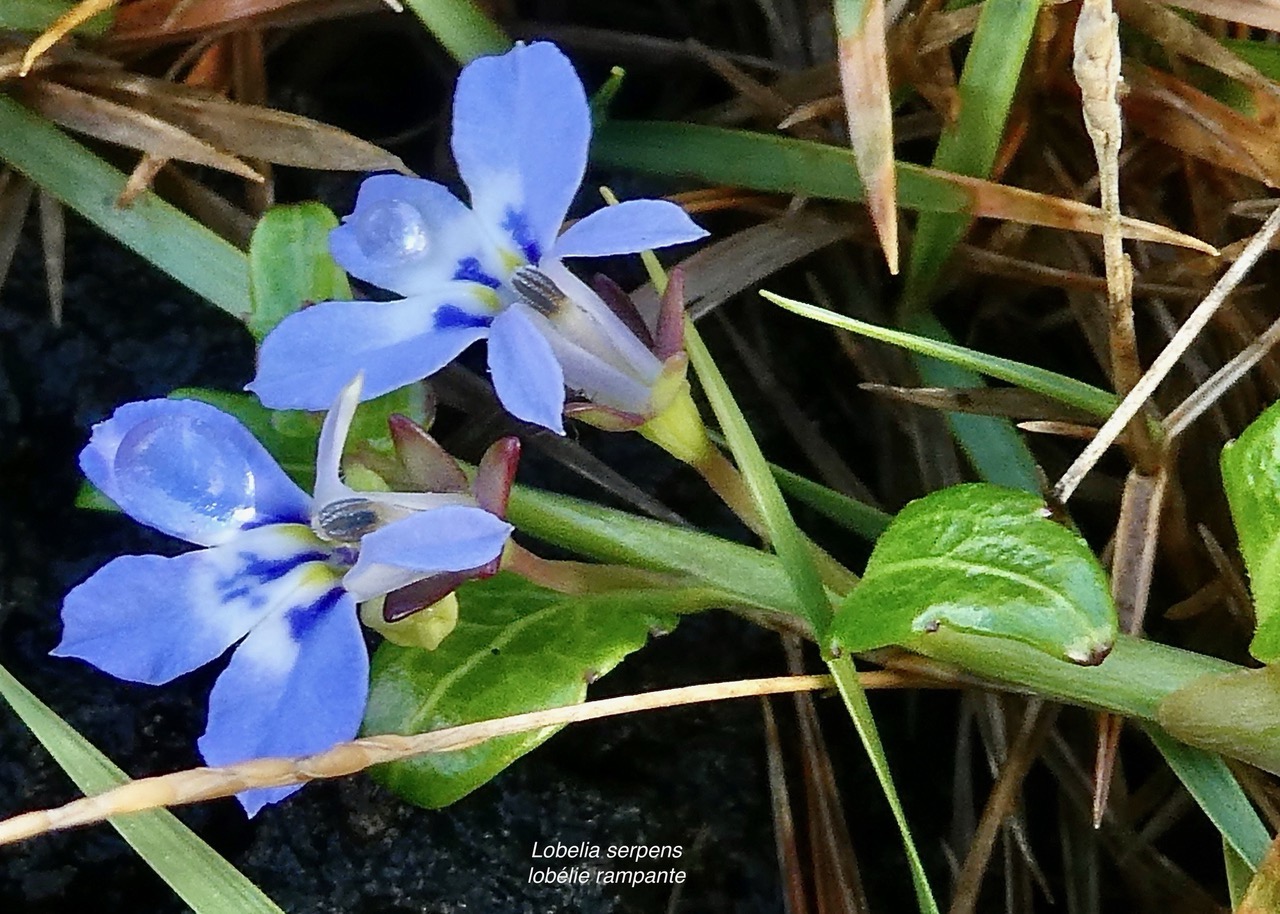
column 200, row 784
column 1132, row 565
column 53, row 243
column 1009, row 402
column 837, row 880
column 15, row 200
column 1173, row 112
column 1133, row 402
column 794, row 897
column 864, row 77
column 1037, row 725
column 252, row 131
column 734, row 264
column 1000, row 201
column 106, row 120
column 1262, row 14
column 1226, row 377
column 150, row 22
column 75, row 17
column 1178, row 35
column 992, row 263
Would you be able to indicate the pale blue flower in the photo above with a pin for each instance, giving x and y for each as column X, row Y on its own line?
column 521, row 128
column 279, row 577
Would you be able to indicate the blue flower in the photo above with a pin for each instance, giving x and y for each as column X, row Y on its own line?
column 279, row 577
column 521, row 128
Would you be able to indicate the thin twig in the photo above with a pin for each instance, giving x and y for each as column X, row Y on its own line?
column 1168, row 357
column 199, row 784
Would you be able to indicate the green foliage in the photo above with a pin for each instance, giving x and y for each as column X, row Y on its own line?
column 200, row 876
column 290, row 265
column 38, row 15
column 161, row 234
column 516, row 648
column 968, row 144
column 981, row 559
column 1215, row 788
column 464, row 30
column 1251, row 476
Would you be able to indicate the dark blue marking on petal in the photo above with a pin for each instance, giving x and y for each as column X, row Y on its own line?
column 517, row 226
column 258, row 572
column 302, row 619
column 450, row 317
column 266, row 520
column 469, row 270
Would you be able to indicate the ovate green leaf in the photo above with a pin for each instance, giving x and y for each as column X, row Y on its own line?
column 1251, row 475
column 984, row 559
column 517, row 647
column 290, row 265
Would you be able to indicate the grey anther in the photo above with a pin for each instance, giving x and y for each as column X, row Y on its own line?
column 539, row 290
column 348, row 519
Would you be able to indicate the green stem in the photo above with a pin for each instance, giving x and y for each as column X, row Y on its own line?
column 1132, row 681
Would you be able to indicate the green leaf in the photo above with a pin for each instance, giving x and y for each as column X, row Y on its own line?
column 1239, row 874
column 160, row 233
column 460, row 26
column 290, row 265
column 969, row 144
column 38, row 15
column 516, row 648
column 1067, row 390
column 1251, row 476
column 983, row 559
column 1209, row 780
column 202, row 878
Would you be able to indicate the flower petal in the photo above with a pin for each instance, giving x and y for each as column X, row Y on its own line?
column 452, row 538
column 410, row 236
column 313, row 354
column 521, row 127
column 629, row 227
column 296, row 685
column 526, row 374
column 189, row 470
column 333, row 438
column 148, row 618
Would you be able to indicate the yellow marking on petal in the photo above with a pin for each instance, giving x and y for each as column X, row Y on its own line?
column 511, row 259
column 319, row 575
column 489, row 298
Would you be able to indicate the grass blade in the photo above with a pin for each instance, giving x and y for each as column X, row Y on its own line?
column 38, row 15
column 1067, row 390
column 779, row 164
column 862, row 519
column 202, row 878
column 969, row 145
column 1209, row 780
column 793, row 552
column 160, row 233
column 464, row 30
